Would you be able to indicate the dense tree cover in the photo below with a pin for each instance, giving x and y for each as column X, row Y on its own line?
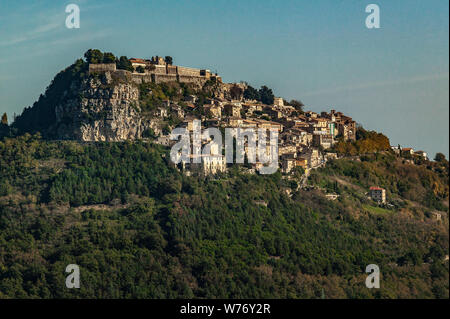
column 161, row 234
column 41, row 116
column 250, row 93
column 366, row 142
column 108, row 57
column 424, row 184
column 93, row 56
column 96, row 56
column 264, row 94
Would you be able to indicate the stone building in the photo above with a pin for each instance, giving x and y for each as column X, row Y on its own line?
column 324, row 140
column 209, row 165
column 232, row 110
column 278, row 101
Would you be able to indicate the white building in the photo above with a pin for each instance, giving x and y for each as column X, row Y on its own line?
column 378, row 194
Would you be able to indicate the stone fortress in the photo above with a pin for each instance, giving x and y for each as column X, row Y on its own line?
column 156, row 70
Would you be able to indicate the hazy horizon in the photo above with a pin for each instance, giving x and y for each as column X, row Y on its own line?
column 393, row 80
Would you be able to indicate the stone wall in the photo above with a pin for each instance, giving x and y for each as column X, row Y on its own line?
column 102, row 67
column 162, row 78
column 171, row 69
column 161, row 74
column 159, row 69
column 188, row 71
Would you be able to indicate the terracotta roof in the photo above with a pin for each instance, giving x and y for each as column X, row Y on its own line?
column 375, row 188
column 137, row 60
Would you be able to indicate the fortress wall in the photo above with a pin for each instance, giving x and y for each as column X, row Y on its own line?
column 102, row 67
column 171, row 69
column 192, row 79
column 139, row 78
column 159, row 69
column 188, row 71
column 161, row 78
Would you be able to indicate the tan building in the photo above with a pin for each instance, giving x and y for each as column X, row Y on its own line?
column 324, row 140
column 213, row 110
column 302, row 162
column 278, row 101
column 287, row 164
column 232, row 110
column 407, row 150
column 210, row 165
column 138, row 62
column 422, row 154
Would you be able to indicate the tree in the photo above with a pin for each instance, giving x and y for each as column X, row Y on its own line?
column 438, row 158
column 140, row 69
column 168, row 60
column 236, row 92
column 297, row 104
column 93, row 56
column 108, row 57
column 4, row 119
column 266, row 95
column 124, row 64
column 251, row 93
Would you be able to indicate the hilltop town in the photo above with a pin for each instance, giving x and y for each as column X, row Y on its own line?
column 115, row 99
column 306, row 137
column 87, row 176
column 303, row 135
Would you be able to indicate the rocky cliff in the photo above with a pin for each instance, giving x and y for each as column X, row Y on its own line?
column 113, row 105
column 88, row 107
column 103, row 111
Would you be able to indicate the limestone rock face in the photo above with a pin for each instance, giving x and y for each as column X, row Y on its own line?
column 102, row 111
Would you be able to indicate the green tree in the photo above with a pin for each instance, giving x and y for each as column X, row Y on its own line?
column 168, row 60
column 93, row 56
column 251, row 93
column 108, row 57
column 124, row 64
column 266, row 95
column 438, row 158
column 297, row 104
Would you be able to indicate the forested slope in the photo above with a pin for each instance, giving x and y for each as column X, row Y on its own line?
column 140, row 229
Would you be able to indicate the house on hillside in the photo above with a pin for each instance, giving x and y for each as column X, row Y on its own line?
column 407, row 150
column 378, row 194
column 422, row 154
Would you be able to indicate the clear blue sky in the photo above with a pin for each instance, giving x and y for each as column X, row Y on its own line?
column 394, row 79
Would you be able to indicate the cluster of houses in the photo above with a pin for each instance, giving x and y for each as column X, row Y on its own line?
column 303, row 136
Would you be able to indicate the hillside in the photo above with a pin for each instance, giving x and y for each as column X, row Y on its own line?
column 138, row 228
column 85, row 102
column 86, row 178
